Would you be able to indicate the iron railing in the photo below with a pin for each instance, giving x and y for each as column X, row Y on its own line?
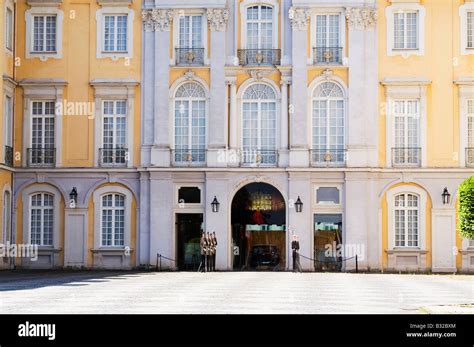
column 324, row 157
column 406, row 156
column 257, row 57
column 41, row 156
column 189, row 156
column 327, row 55
column 189, row 56
column 259, row 157
column 113, row 156
column 8, row 156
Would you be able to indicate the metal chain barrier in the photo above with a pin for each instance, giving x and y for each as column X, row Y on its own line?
column 331, row 262
column 158, row 260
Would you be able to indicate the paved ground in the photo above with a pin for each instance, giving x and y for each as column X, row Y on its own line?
column 244, row 292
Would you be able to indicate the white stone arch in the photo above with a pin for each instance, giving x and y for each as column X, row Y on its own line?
column 97, row 200
column 172, row 93
column 240, row 98
column 243, row 15
column 311, row 89
column 6, row 189
column 26, row 198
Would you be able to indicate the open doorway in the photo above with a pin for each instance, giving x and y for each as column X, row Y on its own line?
column 189, row 227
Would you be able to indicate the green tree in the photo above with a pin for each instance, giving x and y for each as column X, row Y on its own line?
column 466, row 208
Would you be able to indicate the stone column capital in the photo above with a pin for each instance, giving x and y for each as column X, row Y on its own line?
column 299, row 18
column 217, row 18
column 157, row 19
column 361, row 18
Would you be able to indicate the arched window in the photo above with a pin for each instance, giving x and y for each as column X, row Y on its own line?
column 406, row 220
column 41, row 219
column 259, row 125
column 7, row 217
column 259, row 27
column 328, row 124
column 113, row 220
column 190, row 124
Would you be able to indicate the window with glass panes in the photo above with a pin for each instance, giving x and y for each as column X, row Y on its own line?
column 406, row 30
column 328, row 123
column 41, row 219
column 42, row 132
column 8, row 114
column 406, row 114
column 470, row 29
column 260, row 27
column 9, row 29
column 7, row 217
column 44, row 33
column 406, row 220
column 327, row 31
column 190, row 31
column 113, row 220
column 114, row 132
column 115, row 33
column 190, row 123
column 259, row 125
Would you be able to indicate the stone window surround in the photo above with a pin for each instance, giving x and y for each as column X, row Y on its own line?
column 463, row 10
column 401, row 89
column 97, row 200
column 204, row 26
column 8, row 90
column 114, row 10
column 6, row 189
column 9, row 5
column 26, row 198
column 327, row 208
column 342, row 30
column 42, row 90
column 44, row 10
column 199, row 208
column 389, row 13
column 466, row 92
column 113, row 89
column 243, row 20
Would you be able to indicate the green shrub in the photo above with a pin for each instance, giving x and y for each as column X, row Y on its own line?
column 466, row 208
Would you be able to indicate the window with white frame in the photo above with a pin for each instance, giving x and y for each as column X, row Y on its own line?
column 190, row 124
column 406, row 118
column 470, row 29
column 114, row 133
column 42, row 149
column 328, row 47
column 115, row 33
column 406, row 222
column 470, row 132
column 44, row 33
column 8, row 114
column 406, row 30
column 9, row 29
column 41, row 219
column 259, row 27
column 328, row 124
column 259, row 125
column 190, row 31
column 113, row 220
column 7, row 217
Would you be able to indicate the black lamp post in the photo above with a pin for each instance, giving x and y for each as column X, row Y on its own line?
column 446, row 196
column 215, row 205
column 298, row 205
column 73, row 196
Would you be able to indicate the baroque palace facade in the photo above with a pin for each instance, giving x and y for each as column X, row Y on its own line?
column 129, row 127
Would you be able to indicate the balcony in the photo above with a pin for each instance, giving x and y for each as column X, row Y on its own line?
column 8, row 156
column 189, row 157
column 328, row 157
column 189, row 56
column 259, row 157
column 327, row 55
column 406, row 157
column 259, row 57
column 113, row 157
column 470, row 157
column 41, row 157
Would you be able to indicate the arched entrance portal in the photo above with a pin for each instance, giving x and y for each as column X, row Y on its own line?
column 258, row 219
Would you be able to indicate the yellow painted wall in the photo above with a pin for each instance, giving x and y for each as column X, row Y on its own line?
column 385, row 231
column 442, row 63
column 78, row 67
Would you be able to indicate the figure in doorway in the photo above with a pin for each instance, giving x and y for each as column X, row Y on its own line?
column 203, row 245
column 214, row 250
column 208, row 252
column 295, row 246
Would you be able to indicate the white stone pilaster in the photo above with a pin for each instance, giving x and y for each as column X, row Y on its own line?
column 284, row 124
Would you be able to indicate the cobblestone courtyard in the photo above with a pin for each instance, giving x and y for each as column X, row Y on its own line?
column 238, row 292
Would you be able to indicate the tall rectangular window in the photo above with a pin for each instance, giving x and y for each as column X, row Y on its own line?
column 327, row 31
column 190, row 32
column 114, row 132
column 406, row 220
column 8, row 116
column 406, row 30
column 42, row 132
column 113, row 220
column 41, row 219
column 260, row 27
column 44, row 33
column 9, row 29
column 407, row 132
column 470, row 29
column 115, row 33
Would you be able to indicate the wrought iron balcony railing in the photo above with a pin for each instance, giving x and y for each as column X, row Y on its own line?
column 113, row 156
column 328, row 157
column 470, row 156
column 406, row 156
column 8, row 156
column 41, row 157
column 259, row 157
column 257, row 57
column 189, row 156
column 327, row 55
column 189, row 56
